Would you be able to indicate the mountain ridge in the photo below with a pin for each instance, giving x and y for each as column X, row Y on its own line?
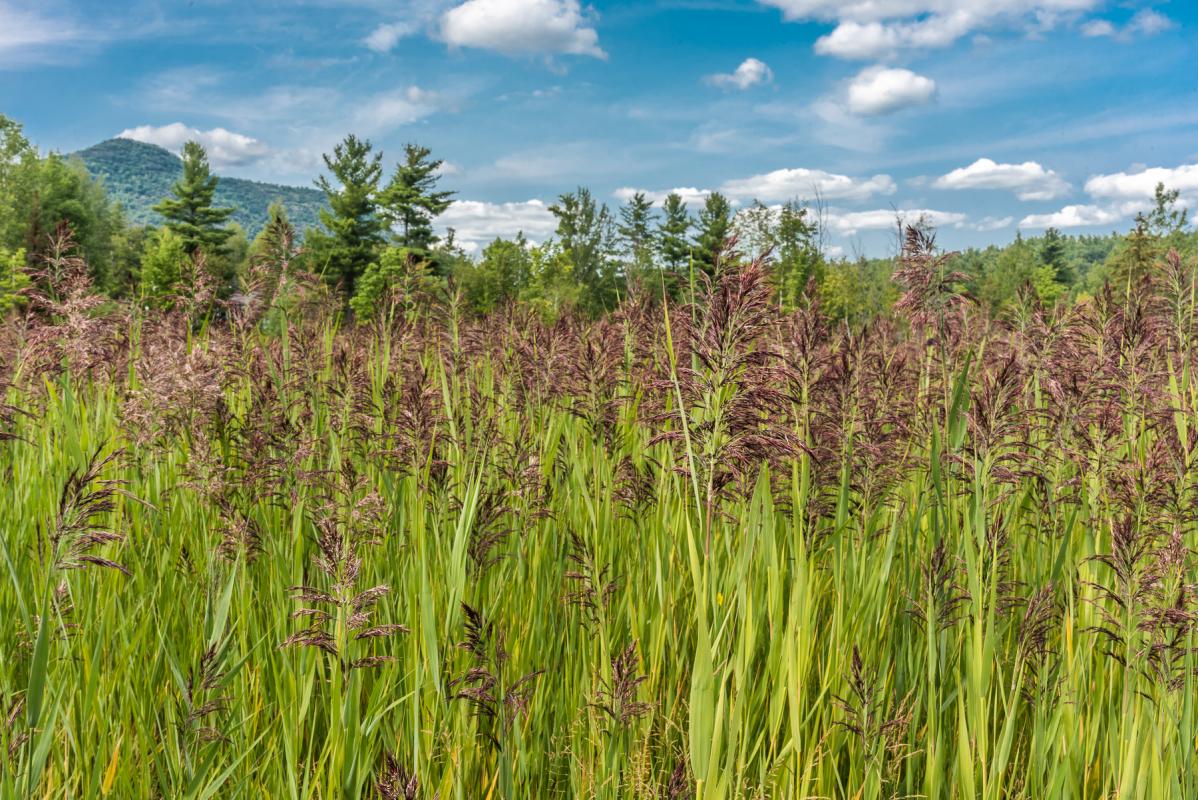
column 139, row 175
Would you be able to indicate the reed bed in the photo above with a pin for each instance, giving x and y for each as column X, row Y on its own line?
column 703, row 550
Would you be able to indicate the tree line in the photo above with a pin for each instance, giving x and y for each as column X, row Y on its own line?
column 379, row 231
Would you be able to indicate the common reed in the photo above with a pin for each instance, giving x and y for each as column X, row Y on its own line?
column 706, row 550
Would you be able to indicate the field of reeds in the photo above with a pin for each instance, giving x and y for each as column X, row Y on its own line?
column 708, row 549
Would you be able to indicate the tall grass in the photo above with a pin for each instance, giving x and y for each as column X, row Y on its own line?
column 711, row 551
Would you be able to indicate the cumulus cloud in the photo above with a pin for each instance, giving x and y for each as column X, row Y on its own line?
column 225, row 148
column 384, row 38
column 476, row 223
column 1142, row 185
column 516, row 27
column 788, row 184
column 1075, row 216
column 884, row 90
column 750, row 73
column 690, row 195
column 1029, row 180
column 1121, row 195
column 867, row 29
column 849, row 223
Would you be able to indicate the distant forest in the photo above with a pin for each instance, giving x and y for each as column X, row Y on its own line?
column 149, row 224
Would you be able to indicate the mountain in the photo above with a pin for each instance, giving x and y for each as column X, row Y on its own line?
column 139, row 175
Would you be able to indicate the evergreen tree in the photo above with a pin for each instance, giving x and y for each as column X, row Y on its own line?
column 712, row 231
column 354, row 229
column 673, row 239
column 411, row 201
column 189, row 212
column 1131, row 262
column 584, row 229
column 636, row 235
column 1052, row 254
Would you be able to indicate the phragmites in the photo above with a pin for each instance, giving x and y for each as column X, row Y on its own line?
column 730, row 382
column 78, row 531
column 496, row 698
column 943, row 595
column 1041, row 617
column 591, row 585
column 339, row 617
column 395, row 782
column 202, row 701
column 617, row 697
column 931, row 291
column 879, row 729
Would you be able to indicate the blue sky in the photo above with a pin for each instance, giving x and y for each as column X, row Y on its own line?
column 990, row 116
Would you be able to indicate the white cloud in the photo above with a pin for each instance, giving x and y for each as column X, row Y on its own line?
column 849, row 223
column 1146, row 22
column 384, row 38
column 1120, row 196
column 390, row 110
column 690, row 195
column 1099, row 27
column 1075, row 216
column 225, row 148
column 1029, row 180
column 750, row 73
column 1141, row 184
column 515, row 27
column 30, row 36
column 1149, row 22
column 788, row 184
column 882, row 90
column 477, row 223
column 867, row 29
column 992, row 223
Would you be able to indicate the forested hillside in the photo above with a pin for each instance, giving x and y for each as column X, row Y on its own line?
column 138, row 175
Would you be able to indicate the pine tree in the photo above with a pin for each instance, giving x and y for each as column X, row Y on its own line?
column 1052, row 254
column 584, row 228
column 635, row 233
column 189, row 212
column 410, row 202
column 355, row 231
column 673, row 239
column 713, row 231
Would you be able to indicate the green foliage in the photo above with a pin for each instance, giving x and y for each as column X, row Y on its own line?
column 635, row 231
column 18, row 181
column 857, row 291
column 789, row 236
column 411, row 201
column 673, row 241
column 712, row 231
column 501, row 276
column 13, row 281
column 190, row 212
column 397, row 282
column 353, row 231
column 64, row 193
column 586, row 235
column 162, row 267
column 138, row 175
